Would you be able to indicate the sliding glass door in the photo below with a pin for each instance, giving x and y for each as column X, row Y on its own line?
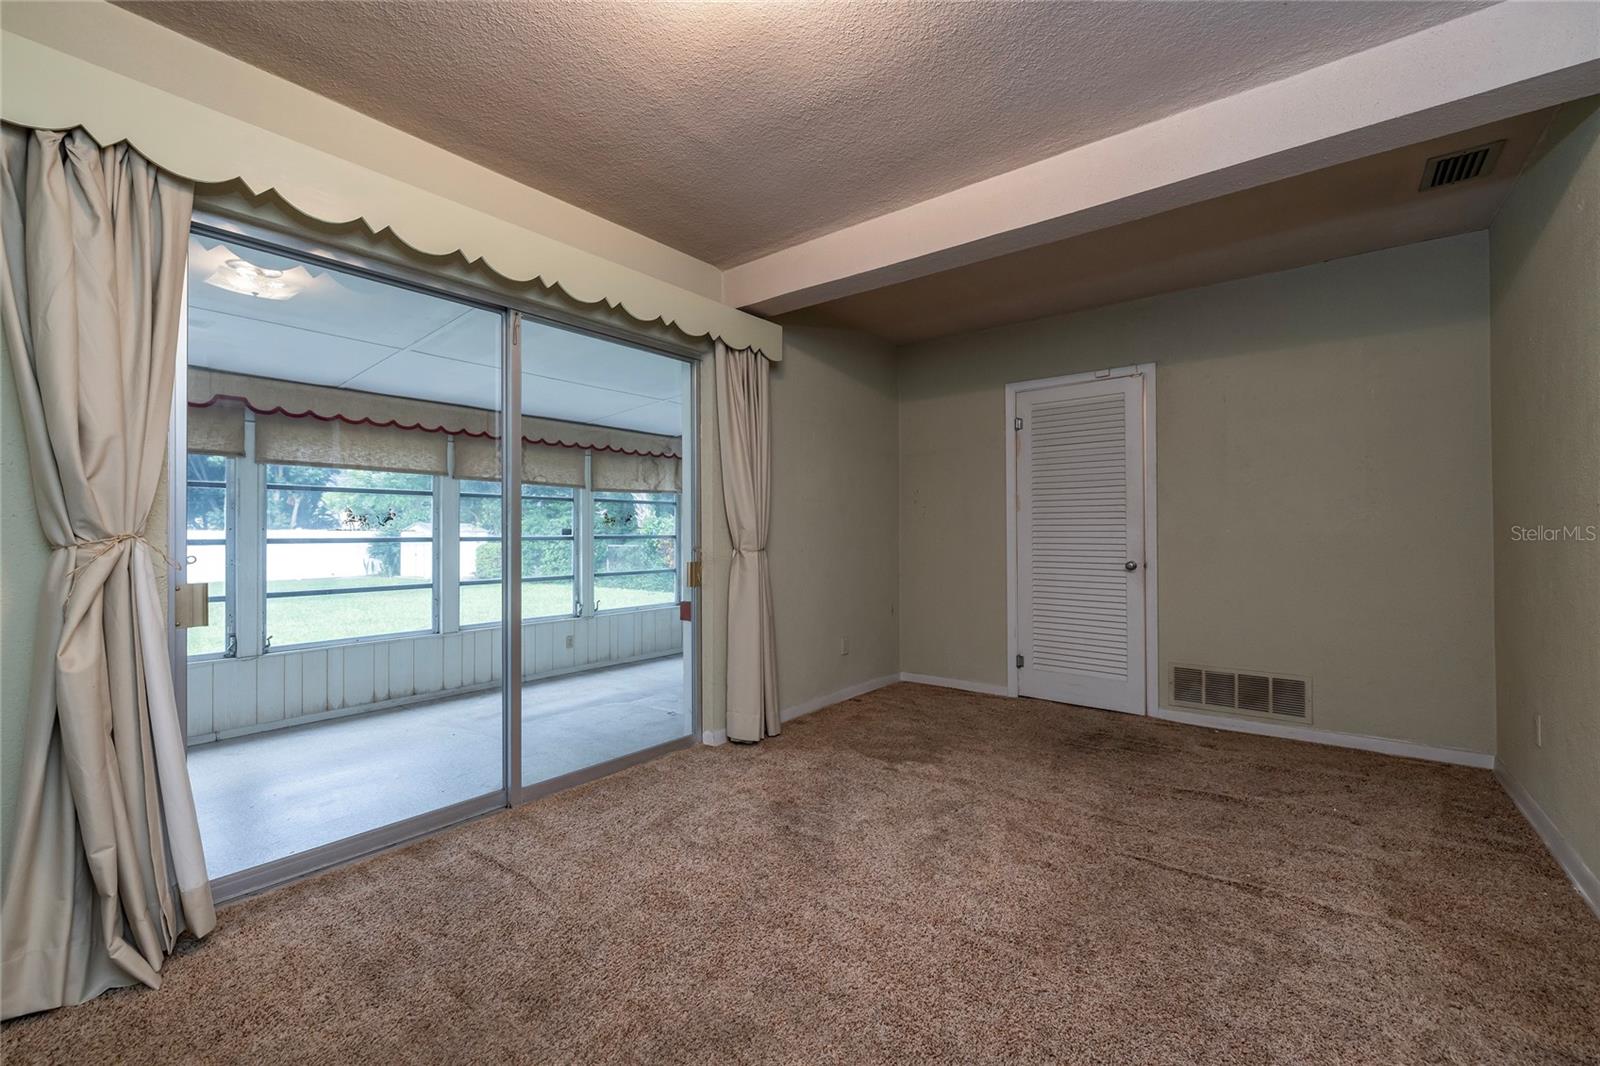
column 348, row 679
column 606, row 673
column 419, row 608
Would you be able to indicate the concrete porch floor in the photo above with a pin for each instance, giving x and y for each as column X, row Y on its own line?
column 269, row 795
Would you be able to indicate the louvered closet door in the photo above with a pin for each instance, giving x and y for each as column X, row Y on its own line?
column 1080, row 523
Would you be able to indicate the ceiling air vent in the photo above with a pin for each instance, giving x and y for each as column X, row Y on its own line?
column 1255, row 693
column 1456, row 167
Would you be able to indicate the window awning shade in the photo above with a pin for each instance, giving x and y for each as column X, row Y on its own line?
column 318, row 425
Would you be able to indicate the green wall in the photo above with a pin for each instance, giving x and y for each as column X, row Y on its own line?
column 1545, row 402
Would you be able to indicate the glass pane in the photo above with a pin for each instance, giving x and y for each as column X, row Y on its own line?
column 206, row 507
column 202, row 467
column 610, row 681
column 547, row 599
column 208, row 561
column 547, row 518
column 547, row 558
column 480, row 604
column 635, row 590
column 322, row 476
column 480, row 552
column 212, row 638
column 614, row 556
column 346, row 535
column 208, row 510
column 347, row 616
column 337, row 564
column 363, row 513
column 480, row 515
column 359, row 714
column 480, row 559
column 635, row 514
column 635, row 549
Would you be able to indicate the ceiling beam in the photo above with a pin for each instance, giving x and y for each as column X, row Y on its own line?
column 1500, row 61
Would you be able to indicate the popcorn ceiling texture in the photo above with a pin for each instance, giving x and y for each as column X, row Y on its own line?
column 729, row 131
column 915, row 875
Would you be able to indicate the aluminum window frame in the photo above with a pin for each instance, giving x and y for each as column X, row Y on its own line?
column 595, row 574
column 573, row 578
column 264, row 533
column 230, row 511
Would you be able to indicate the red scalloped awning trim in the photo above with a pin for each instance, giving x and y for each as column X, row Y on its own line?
column 418, row 426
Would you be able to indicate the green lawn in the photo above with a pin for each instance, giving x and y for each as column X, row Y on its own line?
column 309, row 619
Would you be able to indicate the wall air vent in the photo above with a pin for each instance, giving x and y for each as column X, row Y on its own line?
column 1456, row 167
column 1220, row 689
column 1289, row 697
column 1245, row 692
column 1188, row 684
column 1255, row 693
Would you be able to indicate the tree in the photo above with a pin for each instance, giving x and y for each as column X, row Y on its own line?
column 207, row 506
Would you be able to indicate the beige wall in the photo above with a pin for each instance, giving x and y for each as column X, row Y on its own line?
column 834, row 512
column 1323, row 493
column 1546, row 401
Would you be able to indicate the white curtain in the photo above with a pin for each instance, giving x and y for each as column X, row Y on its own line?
column 744, row 437
column 105, row 870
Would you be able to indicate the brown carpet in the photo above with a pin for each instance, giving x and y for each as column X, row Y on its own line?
column 917, row 874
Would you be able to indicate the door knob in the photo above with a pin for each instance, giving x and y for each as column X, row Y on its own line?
column 1130, row 565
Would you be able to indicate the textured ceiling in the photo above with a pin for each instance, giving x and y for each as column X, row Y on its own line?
column 732, row 130
column 1360, row 206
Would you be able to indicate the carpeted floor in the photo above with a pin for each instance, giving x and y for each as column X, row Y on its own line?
column 917, row 874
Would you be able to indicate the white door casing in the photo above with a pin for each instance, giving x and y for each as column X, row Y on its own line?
column 1079, row 525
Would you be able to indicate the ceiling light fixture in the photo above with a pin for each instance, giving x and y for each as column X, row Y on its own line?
column 247, row 279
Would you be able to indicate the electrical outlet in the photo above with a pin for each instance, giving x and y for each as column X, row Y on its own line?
column 569, row 641
column 1538, row 730
column 844, row 645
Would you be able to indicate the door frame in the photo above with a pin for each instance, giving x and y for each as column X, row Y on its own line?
column 1152, row 658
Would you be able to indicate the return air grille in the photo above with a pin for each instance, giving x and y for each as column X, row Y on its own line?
column 1188, row 684
column 1457, row 167
column 1255, row 693
column 1268, row 695
column 1220, row 690
column 1289, row 697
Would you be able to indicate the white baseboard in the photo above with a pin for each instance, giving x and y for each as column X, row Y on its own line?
column 1382, row 745
column 950, row 682
column 1361, row 742
column 720, row 736
column 850, row 692
column 1583, row 879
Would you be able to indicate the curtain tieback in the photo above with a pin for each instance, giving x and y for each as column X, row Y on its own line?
column 102, row 545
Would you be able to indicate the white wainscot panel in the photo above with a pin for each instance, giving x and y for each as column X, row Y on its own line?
column 230, row 697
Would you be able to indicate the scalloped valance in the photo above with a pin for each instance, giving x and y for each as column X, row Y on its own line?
column 47, row 88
